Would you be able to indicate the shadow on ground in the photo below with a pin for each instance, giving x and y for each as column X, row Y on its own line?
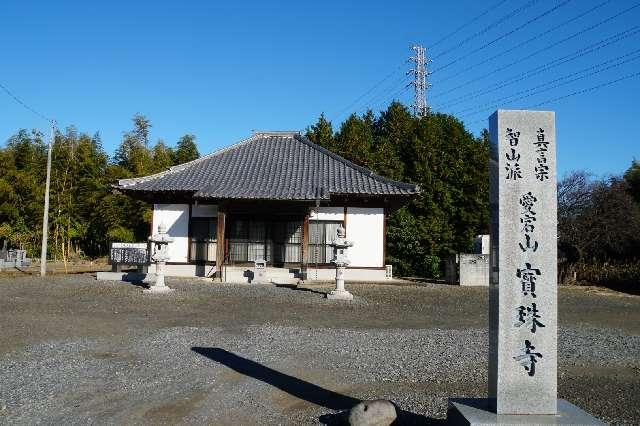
column 296, row 288
column 304, row 390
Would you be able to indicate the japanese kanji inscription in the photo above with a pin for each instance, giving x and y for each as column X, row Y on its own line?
column 523, row 291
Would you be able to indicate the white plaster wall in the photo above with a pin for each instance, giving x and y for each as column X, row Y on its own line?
column 204, row 210
column 365, row 227
column 176, row 219
column 328, row 213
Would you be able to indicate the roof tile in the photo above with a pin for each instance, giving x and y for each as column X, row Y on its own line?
column 270, row 166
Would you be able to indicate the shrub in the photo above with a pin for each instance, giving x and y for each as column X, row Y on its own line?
column 621, row 276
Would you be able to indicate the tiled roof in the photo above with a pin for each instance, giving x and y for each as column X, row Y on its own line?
column 270, row 165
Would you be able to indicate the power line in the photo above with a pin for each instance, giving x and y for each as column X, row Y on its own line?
column 545, row 67
column 471, row 21
column 488, row 27
column 375, row 86
column 375, row 98
column 419, row 82
column 507, row 99
column 507, row 34
column 392, row 90
column 544, row 49
column 578, row 92
column 590, row 89
column 19, row 101
column 393, row 96
column 535, row 37
column 379, row 83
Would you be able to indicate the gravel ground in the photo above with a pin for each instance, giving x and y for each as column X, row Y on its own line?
column 77, row 351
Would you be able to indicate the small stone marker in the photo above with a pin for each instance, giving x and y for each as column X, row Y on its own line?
column 523, row 307
column 259, row 272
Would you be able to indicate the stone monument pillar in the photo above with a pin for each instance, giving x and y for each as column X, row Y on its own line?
column 523, row 293
column 160, row 247
column 523, row 306
column 340, row 245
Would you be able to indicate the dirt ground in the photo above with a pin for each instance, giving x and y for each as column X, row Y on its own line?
column 75, row 350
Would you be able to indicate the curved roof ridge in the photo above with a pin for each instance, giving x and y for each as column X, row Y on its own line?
column 180, row 167
column 355, row 166
column 276, row 132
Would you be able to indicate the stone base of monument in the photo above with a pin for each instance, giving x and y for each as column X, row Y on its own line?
column 340, row 295
column 157, row 289
column 476, row 411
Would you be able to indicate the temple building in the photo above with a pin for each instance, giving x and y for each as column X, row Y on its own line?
column 277, row 197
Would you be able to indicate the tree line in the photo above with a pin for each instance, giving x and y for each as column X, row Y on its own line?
column 599, row 219
column 85, row 213
column 599, row 229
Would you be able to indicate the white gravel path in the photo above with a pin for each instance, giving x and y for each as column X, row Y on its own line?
column 133, row 379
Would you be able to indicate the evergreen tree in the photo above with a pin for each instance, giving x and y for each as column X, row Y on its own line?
column 355, row 139
column 321, row 133
column 393, row 141
column 163, row 157
column 186, row 150
column 133, row 153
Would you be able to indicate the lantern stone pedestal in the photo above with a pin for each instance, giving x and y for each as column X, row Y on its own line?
column 160, row 245
column 340, row 293
column 340, row 245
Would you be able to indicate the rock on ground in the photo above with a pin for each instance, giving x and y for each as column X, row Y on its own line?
column 378, row 412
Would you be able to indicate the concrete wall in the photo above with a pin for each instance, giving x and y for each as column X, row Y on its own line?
column 176, row 219
column 474, row 269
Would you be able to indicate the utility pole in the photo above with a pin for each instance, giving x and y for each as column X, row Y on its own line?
column 420, row 85
column 45, row 218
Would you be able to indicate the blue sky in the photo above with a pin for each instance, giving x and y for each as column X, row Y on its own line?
column 219, row 69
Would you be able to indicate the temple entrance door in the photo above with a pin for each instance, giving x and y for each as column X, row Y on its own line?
column 203, row 239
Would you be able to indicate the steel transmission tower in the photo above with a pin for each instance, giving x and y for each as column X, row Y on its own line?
column 420, row 85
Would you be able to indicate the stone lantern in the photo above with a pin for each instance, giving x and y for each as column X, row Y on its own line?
column 340, row 245
column 160, row 249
